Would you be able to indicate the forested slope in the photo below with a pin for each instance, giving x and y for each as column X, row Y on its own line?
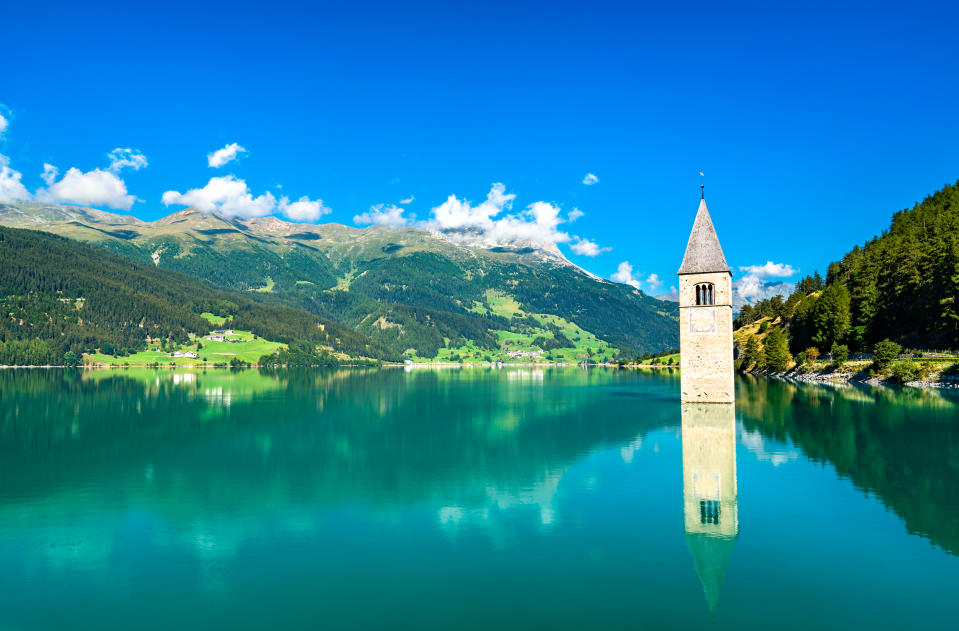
column 59, row 296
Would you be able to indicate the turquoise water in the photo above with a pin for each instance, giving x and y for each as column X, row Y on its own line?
column 556, row 498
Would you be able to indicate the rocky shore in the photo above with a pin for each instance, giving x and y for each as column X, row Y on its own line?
column 859, row 375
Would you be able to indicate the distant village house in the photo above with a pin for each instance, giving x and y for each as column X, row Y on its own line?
column 525, row 354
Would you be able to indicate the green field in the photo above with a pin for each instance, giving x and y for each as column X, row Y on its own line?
column 246, row 348
column 268, row 287
column 214, row 319
column 502, row 304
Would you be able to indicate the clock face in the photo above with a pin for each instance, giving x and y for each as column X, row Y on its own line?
column 702, row 320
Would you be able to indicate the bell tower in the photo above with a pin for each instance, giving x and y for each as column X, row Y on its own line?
column 705, row 317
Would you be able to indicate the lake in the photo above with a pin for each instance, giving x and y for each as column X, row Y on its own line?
column 472, row 498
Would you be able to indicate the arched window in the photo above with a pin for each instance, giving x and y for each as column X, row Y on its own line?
column 705, row 294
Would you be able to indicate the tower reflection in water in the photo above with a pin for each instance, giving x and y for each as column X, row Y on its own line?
column 709, row 491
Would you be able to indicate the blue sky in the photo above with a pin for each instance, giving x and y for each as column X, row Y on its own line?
column 813, row 122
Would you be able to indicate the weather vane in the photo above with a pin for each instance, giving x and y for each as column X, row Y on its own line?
column 702, row 185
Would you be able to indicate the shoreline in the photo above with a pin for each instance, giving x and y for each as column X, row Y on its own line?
column 811, row 377
column 828, row 377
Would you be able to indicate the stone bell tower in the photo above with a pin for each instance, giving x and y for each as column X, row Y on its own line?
column 705, row 317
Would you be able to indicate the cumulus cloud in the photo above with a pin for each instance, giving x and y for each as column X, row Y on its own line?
column 226, row 195
column 231, row 197
column 574, row 214
column 99, row 187
column 455, row 214
column 49, row 174
column 770, row 270
column 585, row 247
column 536, row 225
column 121, row 158
column 753, row 287
column 91, row 188
column 624, row 274
column 11, row 188
column 383, row 215
column 490, row 223
column 408, row 200
column 750, row 288
column 303, row 209
column 227, row 154
column 590, row 179
column 653, row 282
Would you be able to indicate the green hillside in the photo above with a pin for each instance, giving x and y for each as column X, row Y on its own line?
column 901, row 286
column 60, row 299
column 414, row 292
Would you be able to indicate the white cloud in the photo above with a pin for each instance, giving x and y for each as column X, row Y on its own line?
column 383, row 215
column 574, row 214
column 121, row 158
column 536, row 225
column 230, row 196
column 624, row 274
column 303, row 209
column 753, row 287
column 585, row 247
column 11, row 188
column 590, row 179
column 653, row 282
column 91, row 188
column 49, row 174
column 489, row 223
column 454, row 214
column 770, row 270
column 98, row 187
column 227, row 154
column 227, row 195
column 408, row 200
column 750, row 287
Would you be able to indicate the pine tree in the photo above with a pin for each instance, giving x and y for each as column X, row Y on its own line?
column 776, row 353
column 752, row 353
column 831, row 315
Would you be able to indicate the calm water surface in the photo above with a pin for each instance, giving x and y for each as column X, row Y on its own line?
column 473, row 498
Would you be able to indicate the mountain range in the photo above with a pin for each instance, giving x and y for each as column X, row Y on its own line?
column 414, row 292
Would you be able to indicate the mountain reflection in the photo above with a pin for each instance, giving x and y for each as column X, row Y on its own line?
column 190, row 443
column 710, row 506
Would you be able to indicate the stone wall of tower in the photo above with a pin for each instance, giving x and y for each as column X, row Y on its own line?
column 706, row 340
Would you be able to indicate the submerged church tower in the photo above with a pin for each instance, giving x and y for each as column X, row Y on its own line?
column 705, row 317
column 710, row 503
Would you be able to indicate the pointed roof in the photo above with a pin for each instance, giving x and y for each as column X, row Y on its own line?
column 710, row 556
column 703, row 252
